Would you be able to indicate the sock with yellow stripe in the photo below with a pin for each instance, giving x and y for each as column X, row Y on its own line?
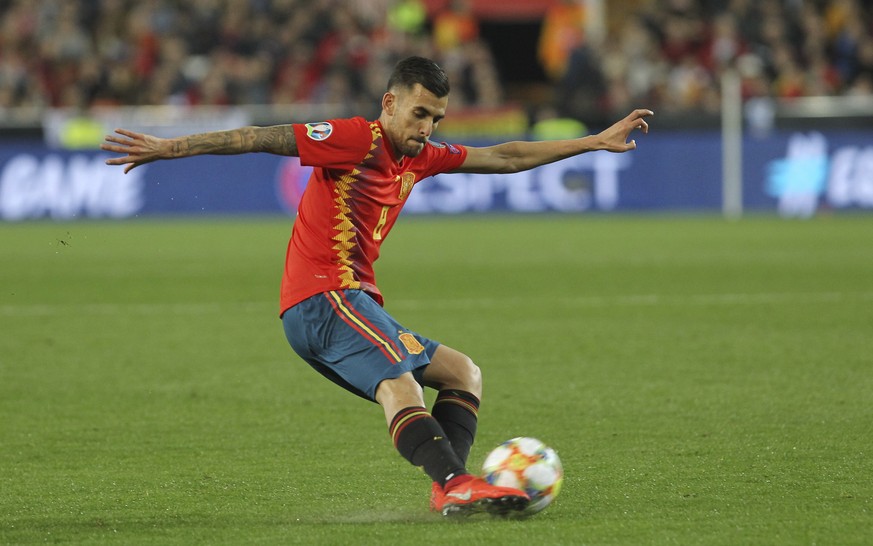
column 422, row 441
column 457, row 412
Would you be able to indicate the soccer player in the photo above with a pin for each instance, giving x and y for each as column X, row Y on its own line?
column 331, row 307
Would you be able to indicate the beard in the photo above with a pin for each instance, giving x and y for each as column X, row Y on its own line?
column 411, row 147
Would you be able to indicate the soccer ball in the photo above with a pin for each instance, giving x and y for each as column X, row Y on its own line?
column 529, row 465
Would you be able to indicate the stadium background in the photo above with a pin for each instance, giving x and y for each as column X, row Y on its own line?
column 72, row 71
column 704, row 381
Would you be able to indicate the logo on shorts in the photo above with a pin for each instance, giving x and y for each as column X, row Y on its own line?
column 319, row 131
column 412, row 345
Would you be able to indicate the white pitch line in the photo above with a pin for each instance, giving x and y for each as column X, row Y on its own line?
column 459, row 304
column 641, row 300
column 47, row 309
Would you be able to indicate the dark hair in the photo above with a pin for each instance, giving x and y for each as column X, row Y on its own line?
column 413, row 70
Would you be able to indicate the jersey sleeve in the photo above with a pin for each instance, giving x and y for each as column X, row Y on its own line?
column 333, row 144
column 442, row 157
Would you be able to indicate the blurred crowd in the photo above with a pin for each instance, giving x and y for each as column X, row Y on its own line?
column 671, row 54
column 79, row 53
column 664, row 54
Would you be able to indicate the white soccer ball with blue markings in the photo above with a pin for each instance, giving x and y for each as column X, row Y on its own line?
column 529, row 465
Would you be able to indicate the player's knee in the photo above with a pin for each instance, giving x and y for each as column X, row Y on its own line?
column 402, row 390
column 451, row 369
column 471, row 375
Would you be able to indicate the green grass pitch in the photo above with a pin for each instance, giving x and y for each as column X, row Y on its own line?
column 704, row 382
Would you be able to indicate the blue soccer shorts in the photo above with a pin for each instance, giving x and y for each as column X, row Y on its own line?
column 350, row 339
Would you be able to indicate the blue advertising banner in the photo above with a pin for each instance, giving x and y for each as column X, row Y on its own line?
column 795, row 174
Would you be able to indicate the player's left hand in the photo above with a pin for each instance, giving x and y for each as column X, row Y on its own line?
column 139, row 148
column 614, row 139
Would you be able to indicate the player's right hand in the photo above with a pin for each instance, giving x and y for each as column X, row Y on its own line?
column 139, row 148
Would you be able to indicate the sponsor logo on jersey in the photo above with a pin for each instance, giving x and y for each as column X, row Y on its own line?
column 319, row 131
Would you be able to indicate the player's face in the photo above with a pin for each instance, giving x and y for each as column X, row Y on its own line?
column 410, row 116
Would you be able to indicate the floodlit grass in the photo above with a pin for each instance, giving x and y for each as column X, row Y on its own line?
column 704, row 382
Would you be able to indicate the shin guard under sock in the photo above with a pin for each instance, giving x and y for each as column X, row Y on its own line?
column 457, row 412
column 422, row 441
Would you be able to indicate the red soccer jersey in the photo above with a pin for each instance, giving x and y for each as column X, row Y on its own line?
column 350, row 204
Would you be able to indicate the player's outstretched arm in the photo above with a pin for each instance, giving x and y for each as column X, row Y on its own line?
column 511, row 157
column 140, row 149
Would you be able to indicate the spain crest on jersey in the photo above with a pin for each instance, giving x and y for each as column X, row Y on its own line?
column 407, row 180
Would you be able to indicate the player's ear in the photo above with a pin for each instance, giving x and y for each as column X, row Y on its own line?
column 389, row 103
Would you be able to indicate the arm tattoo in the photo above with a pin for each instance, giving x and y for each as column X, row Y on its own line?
column 276, row 139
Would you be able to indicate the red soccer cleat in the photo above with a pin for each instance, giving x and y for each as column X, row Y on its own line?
column 437, row 498
column 476, row 496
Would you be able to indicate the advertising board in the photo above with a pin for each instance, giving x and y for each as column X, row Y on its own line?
column 795, row 174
